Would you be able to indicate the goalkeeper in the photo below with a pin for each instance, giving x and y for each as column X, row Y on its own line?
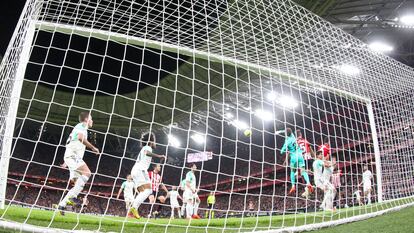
column 297, row 163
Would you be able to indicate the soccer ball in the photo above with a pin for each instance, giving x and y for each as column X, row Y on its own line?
column 162, row 199
column 247, row 133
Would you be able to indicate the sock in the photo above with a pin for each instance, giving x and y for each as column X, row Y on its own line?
column 207, row 212
column 189, row 210
column 325, row 195
column 196, row 208
column 306, row 177
column 369, row 198
column 292, row 177
column 172, row 212
column 212, row 214
column 75, row 190
column 141, row 198
column 179, row 213
column 183, row 207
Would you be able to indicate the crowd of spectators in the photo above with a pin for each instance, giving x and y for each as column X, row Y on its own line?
column 270, row 199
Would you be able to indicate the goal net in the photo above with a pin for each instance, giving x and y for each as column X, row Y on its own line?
column 290, row 122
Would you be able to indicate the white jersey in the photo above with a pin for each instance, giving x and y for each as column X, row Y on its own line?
column 317, row 170
column 366, row 177
column 73, row 140
column 366, row 180
column 144, row 161
column 327, row 173
column 128, row 187
column 190, row 177
column 174, row 198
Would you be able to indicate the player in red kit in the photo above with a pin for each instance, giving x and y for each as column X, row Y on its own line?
column 304, row 145
column 325, row 148
column 156, row 183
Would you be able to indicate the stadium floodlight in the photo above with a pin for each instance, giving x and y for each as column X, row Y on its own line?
column 288, row 102
column 264, row 115
column 240, row 124
column 199, row 138
column 407, row 20
column 272, row 96
column 173, row 141
column 229, row 115
column 348, row 69
column 380, row 47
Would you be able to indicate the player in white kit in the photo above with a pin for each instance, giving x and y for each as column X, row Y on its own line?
column 139, row 172
column 174, row 196
column 184, row 205
column 128, row 187
column 75, row 149
column 190, row 193
column 367, row 185
column 330, row 191
column 322, row 176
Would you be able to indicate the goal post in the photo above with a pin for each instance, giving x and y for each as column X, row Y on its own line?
column 376, row 151
column 18, row 50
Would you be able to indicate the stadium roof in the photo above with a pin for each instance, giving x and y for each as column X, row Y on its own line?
column 371, row 20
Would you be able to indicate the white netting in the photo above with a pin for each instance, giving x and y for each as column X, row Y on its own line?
column 217, row 78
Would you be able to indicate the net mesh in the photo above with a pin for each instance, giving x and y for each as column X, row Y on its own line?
column 219, row 81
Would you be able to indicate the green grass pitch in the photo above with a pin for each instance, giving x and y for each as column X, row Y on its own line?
column 118, row 224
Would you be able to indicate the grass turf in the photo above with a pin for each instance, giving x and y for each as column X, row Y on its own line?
column 118, row 224
column 395, row 222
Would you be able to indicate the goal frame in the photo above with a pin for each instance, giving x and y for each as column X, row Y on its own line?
column 14, row 98
column 33, row 25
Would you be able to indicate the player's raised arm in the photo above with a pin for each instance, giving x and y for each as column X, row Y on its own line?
column 151, row 154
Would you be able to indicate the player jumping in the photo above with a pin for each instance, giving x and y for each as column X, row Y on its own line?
column 75, row 149
column 329, row 189
column 321, row 170
column 325, row 148
column 307, row 152
column 139, row 171
column 297, row 163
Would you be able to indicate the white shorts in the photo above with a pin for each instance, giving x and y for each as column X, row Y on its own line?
column 74, row 158
column 319, row 183
column 75, row 150
column 174, row 204
column 188, row 195
column 140, row 177
column 367, row 186
column 327, row 185
column 128, row 199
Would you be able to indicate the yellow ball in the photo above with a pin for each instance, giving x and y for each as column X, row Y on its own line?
column 247, row 133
